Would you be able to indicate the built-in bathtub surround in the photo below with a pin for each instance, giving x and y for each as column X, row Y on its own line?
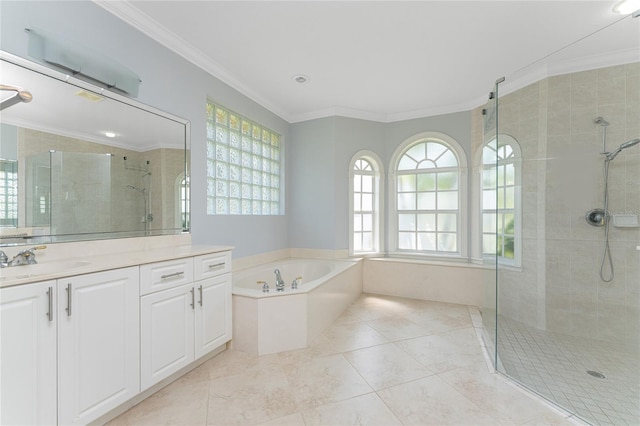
column 270, row 321
column 447, row 282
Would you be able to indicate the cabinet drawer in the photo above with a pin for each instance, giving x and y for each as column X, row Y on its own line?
column 211, row 265
column 163, row 275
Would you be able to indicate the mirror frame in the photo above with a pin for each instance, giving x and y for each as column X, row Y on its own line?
column 36, row 67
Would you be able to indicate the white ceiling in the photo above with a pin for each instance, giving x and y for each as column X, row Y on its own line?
column 381, row 60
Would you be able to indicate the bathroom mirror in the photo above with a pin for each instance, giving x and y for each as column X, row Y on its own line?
column 78, row 162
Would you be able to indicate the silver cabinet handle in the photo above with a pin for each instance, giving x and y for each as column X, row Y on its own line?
column 215, row 265
column 175, row 274
column 193, row 298
column 200, row 290
column 50, row 313
column 68, row 300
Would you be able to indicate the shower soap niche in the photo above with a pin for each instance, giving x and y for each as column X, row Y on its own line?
column 625, row 221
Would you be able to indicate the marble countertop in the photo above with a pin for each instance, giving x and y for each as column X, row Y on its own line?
column 72, row 265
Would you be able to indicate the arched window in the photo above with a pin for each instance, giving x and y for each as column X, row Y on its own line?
column 429, row 199
column 183, row 205
column 501, row 199
column 365, row 204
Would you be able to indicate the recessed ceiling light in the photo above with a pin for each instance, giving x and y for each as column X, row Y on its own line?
column 110, row 134
column 626, row 7
column 301, row 78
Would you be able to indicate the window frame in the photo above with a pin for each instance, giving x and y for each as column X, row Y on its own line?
column 462, row 211
column 378, row 203
column 516, row 160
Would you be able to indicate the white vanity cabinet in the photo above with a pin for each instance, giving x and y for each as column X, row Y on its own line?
column 28, row 354
column 98, row 343
column 182, row 322
column 70, row 348
column 74, row 349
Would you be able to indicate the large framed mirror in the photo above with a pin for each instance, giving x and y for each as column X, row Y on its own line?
column 78, row 162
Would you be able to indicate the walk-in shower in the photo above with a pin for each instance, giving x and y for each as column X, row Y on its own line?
column 562, row 321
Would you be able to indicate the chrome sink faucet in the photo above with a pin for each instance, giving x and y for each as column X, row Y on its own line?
column 24, row 257
column 279, row 280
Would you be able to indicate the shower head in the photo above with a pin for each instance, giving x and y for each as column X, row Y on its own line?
column 21, row 95
column 601, row 121
column 627, row 144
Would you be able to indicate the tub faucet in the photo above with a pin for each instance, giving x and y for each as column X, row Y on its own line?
column 279, row 280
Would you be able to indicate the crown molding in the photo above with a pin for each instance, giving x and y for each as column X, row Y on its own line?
column 156, row 31
column 519, row 79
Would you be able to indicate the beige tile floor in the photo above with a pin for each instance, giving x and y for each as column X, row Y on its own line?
column 385, row 361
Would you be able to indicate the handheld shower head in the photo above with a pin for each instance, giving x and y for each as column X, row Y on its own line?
column 601, row 121
column 627, row 144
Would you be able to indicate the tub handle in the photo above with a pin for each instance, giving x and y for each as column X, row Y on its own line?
column 265, row 286
column 295, row 282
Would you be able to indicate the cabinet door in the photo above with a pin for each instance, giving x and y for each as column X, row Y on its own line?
column 166, row 336
column 28, row 354
column 213, row 313
column 98, row 343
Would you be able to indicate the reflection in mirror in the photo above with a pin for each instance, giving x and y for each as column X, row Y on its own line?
column 80, row 163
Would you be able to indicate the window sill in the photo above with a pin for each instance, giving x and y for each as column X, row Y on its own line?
column 448, row 262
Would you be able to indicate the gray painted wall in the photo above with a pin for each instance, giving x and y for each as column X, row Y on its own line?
column 169, row 83
column 317, row 152
column 321, row 154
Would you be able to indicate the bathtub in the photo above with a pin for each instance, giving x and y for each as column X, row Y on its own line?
column 271, row 322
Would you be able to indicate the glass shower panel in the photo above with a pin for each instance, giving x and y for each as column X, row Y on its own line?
column 568, row 321
column 80, row 193
column 486, row 177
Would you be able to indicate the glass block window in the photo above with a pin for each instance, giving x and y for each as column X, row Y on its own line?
column 501, row 199
column 366, row 207
column 243, row 165
column 428, row 198
column 8, row 193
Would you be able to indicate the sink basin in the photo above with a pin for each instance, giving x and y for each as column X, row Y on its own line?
column 26, row 271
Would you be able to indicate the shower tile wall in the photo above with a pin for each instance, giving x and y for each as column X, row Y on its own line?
column 168, row 161
column 559, row 288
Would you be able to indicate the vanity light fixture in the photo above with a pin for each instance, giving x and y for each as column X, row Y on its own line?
column 626, row 7
column 301, row 78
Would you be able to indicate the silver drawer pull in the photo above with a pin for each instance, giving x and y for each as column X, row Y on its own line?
column 200, row 290
column 215, row 265
column 193, row 298
column 175, row 274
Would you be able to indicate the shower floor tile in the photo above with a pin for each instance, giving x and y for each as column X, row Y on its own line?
column 555, row 366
